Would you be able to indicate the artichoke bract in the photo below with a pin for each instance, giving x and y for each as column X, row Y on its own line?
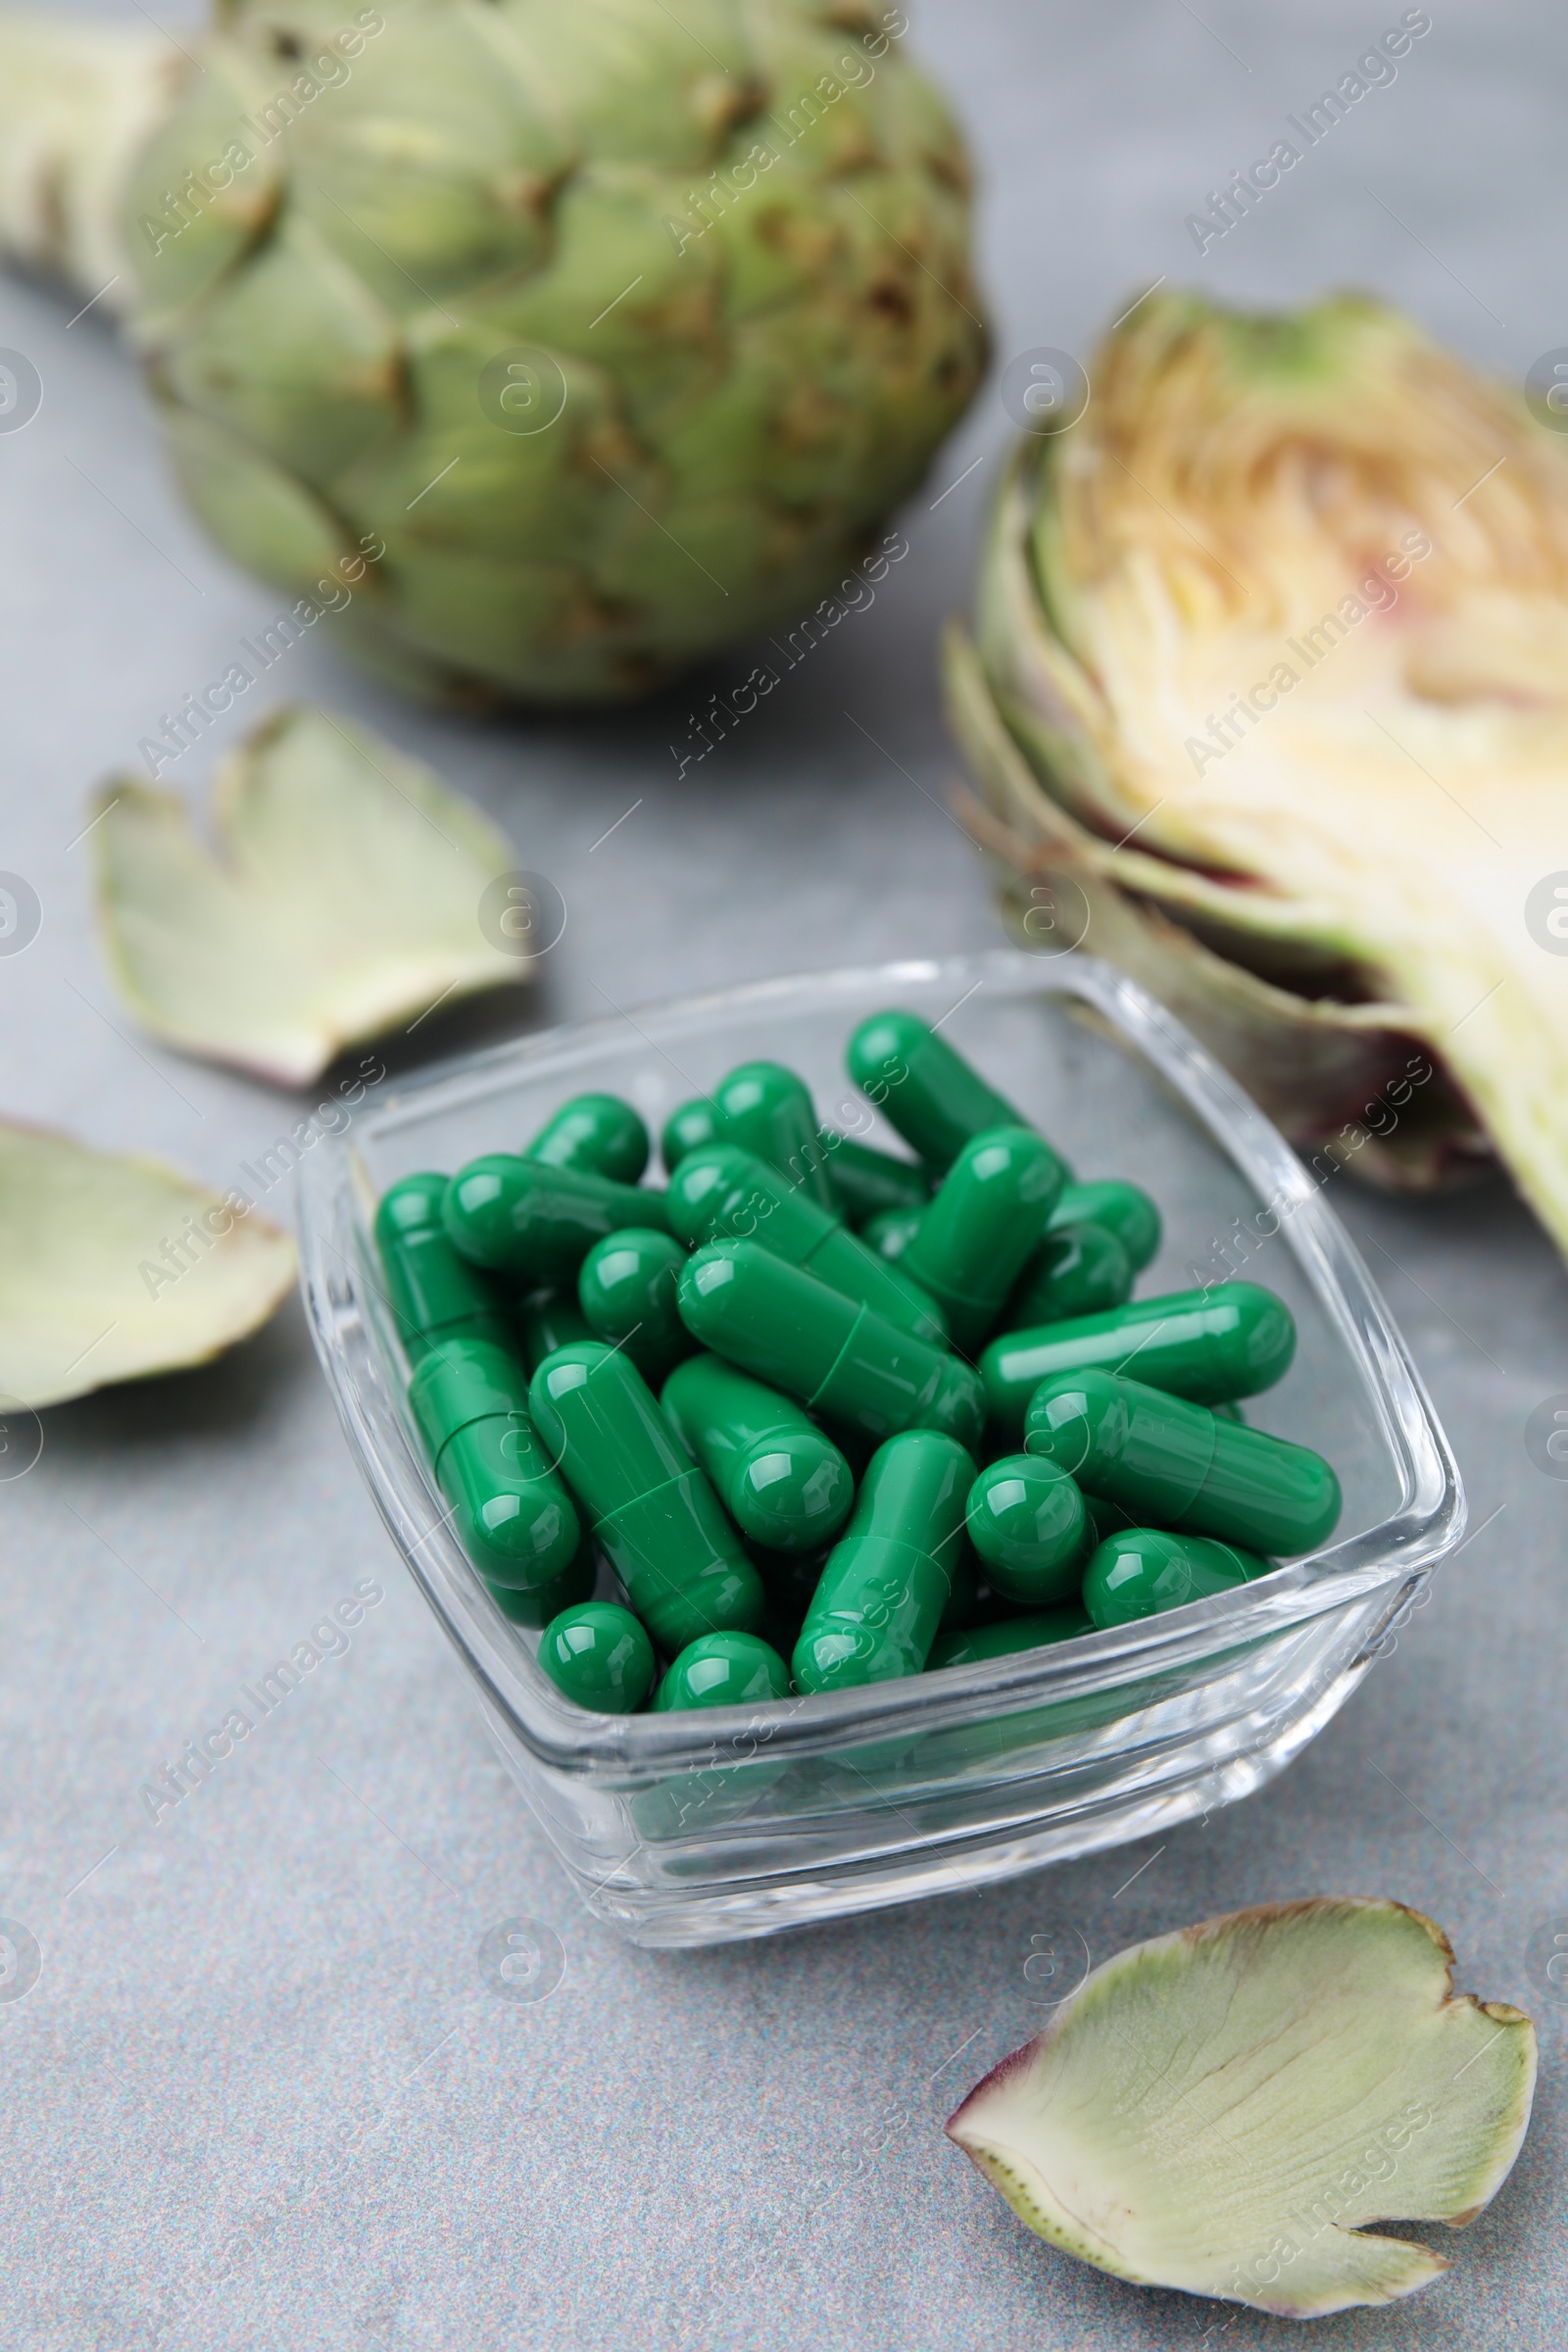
column 116, row 1269
column 625, row 324
column 1226, row 2109
column 1266, row 703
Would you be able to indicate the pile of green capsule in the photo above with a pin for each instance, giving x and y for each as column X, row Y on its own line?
column 832, row 1416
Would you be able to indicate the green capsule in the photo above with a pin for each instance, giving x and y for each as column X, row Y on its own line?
column 983, row 1227
column 599, row 1656
column 654, row 1512
column 1204, row 1344
column 1027, row 1521
column 767, row 1111
column 573, row 1586
column 1009, row 1634
column 724, row 1194
column 1228, row 1411
column 781, row 1479
column 845, row 1362
column 687, row 1129
column 599, row 1133
column 1146, row 1571
column 433, row 1292
column 1116, row 1208
column 868, row 1184
column 547, row 1320
column 512, row 1513
column 1177, row 1465
column 1077, row 1270
column 626, row 1291
column 927, row 1090
column 723, row 1670
column 876, row 1611
column 521, row 1217
column 891, row 1233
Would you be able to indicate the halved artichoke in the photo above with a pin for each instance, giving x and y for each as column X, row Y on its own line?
column 1271, row 666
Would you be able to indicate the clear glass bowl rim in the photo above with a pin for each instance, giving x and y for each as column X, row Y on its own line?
column 334, row 1197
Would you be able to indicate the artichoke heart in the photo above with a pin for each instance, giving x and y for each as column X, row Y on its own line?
column 1271, row 669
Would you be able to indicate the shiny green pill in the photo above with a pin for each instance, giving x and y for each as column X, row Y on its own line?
column 724, row 1194
column 985, row 1224
column 1028, row 1524
column 924, row 1088
column 597, row 1132
column 1178, row 1465
column 869, row 1183
column 1077, row 1270
column 688, row 1127
column 512, row 1513
column 654, row 1512
column 845, row 1362
column 599, row 1656
column 524, row 1218
column 1148, row 1570
column 723, row 1670
column 1203, row 1345
column 876, row 1611
column 1009, row 1634
column 434, row 1293
column 626, row 1291
column 1124, row 1210
column 766, row 1110
column 781, row 1479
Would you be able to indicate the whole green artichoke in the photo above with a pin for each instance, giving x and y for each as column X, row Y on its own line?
column 621, row 324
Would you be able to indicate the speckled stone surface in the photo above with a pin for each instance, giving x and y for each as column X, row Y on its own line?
column 260, row 2094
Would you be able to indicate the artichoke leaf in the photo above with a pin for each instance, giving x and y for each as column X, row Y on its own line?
column 1292, row 601
column 344, row 897
column 115, row 1268
column 1226, row 2109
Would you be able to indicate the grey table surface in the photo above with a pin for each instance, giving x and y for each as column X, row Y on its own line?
column 258, row 2095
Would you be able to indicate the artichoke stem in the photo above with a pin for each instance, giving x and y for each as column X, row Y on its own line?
column 78, row 100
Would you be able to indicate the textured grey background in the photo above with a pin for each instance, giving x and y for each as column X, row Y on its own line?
column 259, row 2090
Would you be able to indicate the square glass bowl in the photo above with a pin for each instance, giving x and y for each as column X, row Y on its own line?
column 700, row 1826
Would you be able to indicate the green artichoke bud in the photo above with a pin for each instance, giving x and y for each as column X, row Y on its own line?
column 623, row 326
column 1266, row 703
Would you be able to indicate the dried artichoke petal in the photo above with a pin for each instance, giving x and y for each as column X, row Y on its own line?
column 1224, row 2110
column 344, row 897
column 115, row 1268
